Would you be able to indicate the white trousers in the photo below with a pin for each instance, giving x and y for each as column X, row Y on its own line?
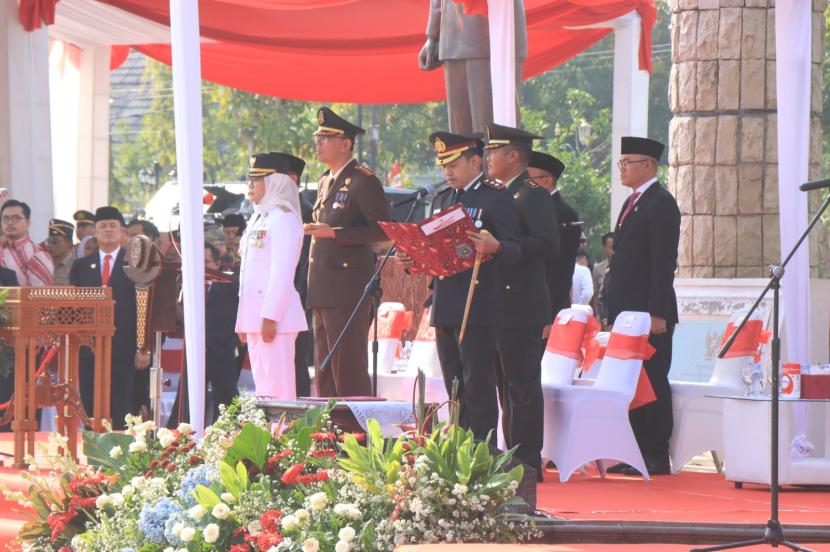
column 272, row 365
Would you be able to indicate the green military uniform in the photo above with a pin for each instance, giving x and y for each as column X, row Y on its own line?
column 351, row 202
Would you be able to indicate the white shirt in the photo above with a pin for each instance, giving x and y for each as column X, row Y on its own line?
column 334, row 175
column 583, row 285
column 113, row 254
column 643, row 187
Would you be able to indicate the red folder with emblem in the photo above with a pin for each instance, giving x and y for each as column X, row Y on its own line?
column 439, row 245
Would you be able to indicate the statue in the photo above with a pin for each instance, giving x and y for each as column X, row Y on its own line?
column 461, row 43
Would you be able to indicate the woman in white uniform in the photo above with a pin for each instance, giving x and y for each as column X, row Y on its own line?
column 270, row 312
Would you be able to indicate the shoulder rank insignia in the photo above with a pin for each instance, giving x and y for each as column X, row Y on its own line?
column 530, row 183
column 365, row 170
column 493, row 183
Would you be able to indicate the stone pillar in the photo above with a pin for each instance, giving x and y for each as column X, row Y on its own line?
column 25, row 152
column 723, row 136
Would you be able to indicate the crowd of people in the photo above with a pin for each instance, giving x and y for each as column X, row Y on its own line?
column 300, row 267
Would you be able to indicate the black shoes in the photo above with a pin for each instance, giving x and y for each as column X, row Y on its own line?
column 654, row 467
column 618, row 468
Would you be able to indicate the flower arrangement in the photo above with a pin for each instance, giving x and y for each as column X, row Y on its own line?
column 301, row 487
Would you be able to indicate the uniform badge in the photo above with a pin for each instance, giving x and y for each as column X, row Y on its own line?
column 93, row 265
column 479, row 224
column 347, row 181
column 464, row 250
column 321, row 117
column 440, row 146
column 252, row 160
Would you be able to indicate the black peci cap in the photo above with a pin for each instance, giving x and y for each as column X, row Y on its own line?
column 233, row 220
column 295, row 164
column 108, row 213
column 642, row 146
column 546, row 162
column 500, row 135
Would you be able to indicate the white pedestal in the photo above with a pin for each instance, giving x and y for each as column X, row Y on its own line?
column 747, row 439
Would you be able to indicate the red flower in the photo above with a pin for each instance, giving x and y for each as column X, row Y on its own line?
column 194, row 460
column 306, row 479
column 361, row 437
column 323, row 436
column 324, row 453
column 322, row 475
column 267, row 539
column 79, row 502
column 280, row 455
column 268, row 521
column 65, row 549
column 239, row 548
column 291, row 474
column 58, row 520
column 171, row 468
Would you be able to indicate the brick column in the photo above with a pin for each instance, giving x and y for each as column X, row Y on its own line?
column 723, row 149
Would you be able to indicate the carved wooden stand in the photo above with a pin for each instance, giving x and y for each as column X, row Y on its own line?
column 67, row 318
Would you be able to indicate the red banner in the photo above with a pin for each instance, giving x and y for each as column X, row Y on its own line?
column 746, row 343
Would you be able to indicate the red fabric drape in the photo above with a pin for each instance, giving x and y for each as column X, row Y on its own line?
column 746, row 343
column 361, row 51
column 34, row 13
column 630, row 347
column 118, row 55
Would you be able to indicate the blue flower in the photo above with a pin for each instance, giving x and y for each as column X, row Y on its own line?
column 179, row 517
column 152, row 519
column 202, row 474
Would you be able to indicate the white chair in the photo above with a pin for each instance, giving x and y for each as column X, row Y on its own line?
column 698, row 419
column 591, row 422
column 424, row 353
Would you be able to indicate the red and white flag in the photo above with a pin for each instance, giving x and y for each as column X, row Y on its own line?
column 393, row 179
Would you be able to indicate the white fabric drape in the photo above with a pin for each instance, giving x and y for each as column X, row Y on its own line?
column 793, row 39
column 502, row 24
column 187, row 103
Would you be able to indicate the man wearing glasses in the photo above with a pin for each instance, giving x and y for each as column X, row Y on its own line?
column 350, row 202
column 642, row 279
column 546, row 170
column 20, row 253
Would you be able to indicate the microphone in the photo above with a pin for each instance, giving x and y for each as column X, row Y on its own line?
column 414, row 196
column 815, row 185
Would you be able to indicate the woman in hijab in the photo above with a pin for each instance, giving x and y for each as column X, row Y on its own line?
column 270, row 312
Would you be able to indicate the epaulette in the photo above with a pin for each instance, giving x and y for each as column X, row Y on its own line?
column 495, row 184
column 365, row 170
column 530, row 183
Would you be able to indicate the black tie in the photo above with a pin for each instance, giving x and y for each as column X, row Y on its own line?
column 456, row 197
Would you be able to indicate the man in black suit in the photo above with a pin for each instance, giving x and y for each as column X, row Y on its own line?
column 490, row 206
column 527, row 301
column 303, row 345
column 221, row 303
column 8, row 277
column 642, row 279
column 106, row 267
column 546, row 170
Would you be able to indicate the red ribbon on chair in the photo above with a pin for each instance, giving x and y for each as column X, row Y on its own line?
column 565, row 339
column 631, row 347
column 392, row 324
column 752, row 335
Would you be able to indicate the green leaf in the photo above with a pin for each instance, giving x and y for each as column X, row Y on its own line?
column 242, row 474
column 97, row 448
column 206, row 497
column 230, row 480
column 251, row 444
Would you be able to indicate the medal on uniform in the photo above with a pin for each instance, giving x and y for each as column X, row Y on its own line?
column 516, row 195
column 340, row 199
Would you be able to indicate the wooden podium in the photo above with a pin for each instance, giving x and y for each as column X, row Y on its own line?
column 66, row 318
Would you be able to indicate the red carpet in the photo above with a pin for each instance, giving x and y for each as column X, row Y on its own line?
column 688, row 496
column 574, row 548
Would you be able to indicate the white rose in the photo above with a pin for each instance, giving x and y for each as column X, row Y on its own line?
column 289, row 522
column 128, row 491
column 187, row 534
column 318, row 501
column 211, row 532
column 138, row 446
column 220, row 511
column 311, row 545
column 227, row 498
column 169, row 549
column 117, row 500
column 116, row 452
column 149, row 425
column 342, row 546
column 302, row 515
column 102, row 501
column 177, row 529
column 346, row 534
column 165, row 437
column 197, row 512
column 341, row 509
column 185, row 429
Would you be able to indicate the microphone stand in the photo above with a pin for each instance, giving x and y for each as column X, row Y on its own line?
column 773, row 532
column 373, row 291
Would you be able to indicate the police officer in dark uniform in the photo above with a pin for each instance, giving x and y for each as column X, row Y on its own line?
column 350, row 202
column 490, row 206
column 527, row 301
column 303, row 344
column 642, row 279
column 546, row 170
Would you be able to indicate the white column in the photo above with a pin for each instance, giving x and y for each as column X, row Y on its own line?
column 501, row 21
column 25, row 149
column 793, row 33
column 629, row 115
column 79, row 89
column 187, row 103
